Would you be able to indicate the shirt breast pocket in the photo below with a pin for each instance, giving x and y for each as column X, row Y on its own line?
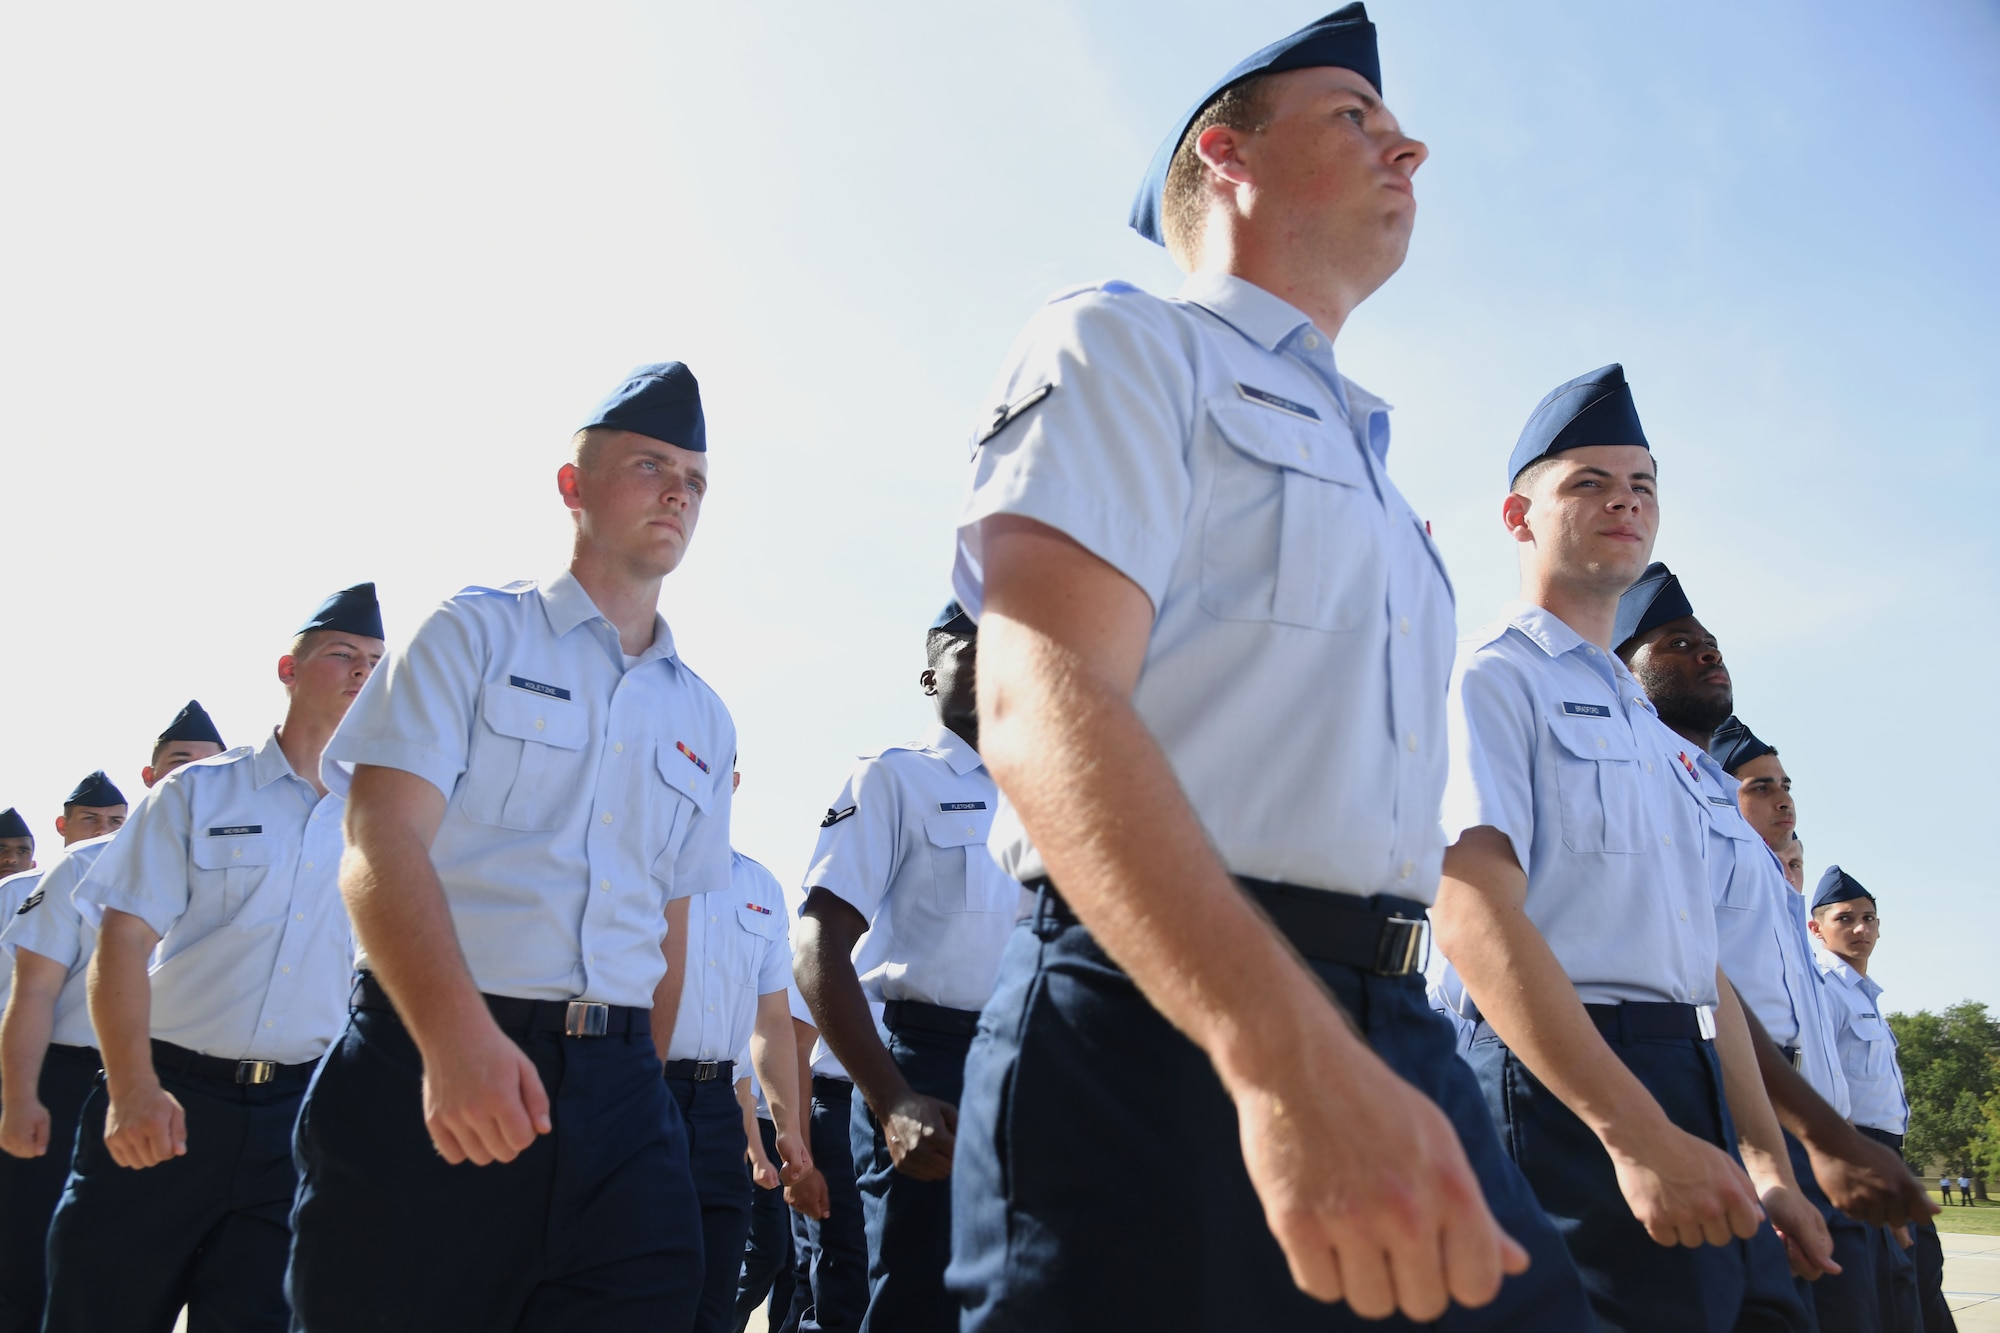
column 759, row 935
column 953, row 836
column 526, row 762
column 229, row 869
column 1599, row 787
column 1293, row 533
column 672, row 802
column 1869, row 1056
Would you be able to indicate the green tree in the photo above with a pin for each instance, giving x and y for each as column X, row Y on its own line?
column 1951, row 1070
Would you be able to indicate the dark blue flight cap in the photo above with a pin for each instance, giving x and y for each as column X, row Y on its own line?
column 1590, row 409
column 12, row 825
column 661, row 402
column 1648, row 604
column 95, row 791
column 351, row 611
column 953, row 620
column 1837, row 886
column 1344, row 39
column 1734, row 745
column 194, row 724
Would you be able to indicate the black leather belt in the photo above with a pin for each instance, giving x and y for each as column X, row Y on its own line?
column 1383, row 935
column 929, row 1018
column 519, row 1017
column 1639, row 1020
column 1882, row 1136
column 830, row 1089
column 171, row 1059
column 702, row 1071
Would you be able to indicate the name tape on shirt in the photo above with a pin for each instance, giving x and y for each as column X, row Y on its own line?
column 1721, row 800
column 34, row 900
column 835, row 816
column 1586, row 710
column 234, row 830
column 1005, row 414
column 692, row 757
column 961, row 805
column 537, row 687
column 1272, row 400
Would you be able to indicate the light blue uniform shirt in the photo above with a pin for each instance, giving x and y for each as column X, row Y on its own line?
column 822, row 1061
column 53, row 925
column 904, row 844
column 1554, row 744
column 1867, row 1047
column 1760, row 931
column 582, row 796
column 16, row 889
column 739, row 947
column 1207, row 448
column 234, row 861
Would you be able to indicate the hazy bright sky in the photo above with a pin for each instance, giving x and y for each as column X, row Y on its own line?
column 295, row 296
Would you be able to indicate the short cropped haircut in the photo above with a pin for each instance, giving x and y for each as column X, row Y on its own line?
column 1243, row 105
column 938, row 642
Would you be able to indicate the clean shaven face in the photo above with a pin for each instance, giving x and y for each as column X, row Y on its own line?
column 637, row 500
column 1764, row 794
column 1592, row 515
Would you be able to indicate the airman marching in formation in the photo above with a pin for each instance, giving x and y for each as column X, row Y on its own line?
column 1105, row 1002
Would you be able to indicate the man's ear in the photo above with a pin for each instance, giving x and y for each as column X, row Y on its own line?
column 62, row 822
column 566, row 486
column 928, row 680
column 288, row 670
column 1220, row 148
column 146, row 775
column 1514, row 517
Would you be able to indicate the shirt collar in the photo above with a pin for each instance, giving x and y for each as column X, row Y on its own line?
column 962, row 757
column 1552, row 634
column 567, row 605
column 1839, row 967
column 269, row 763
column 1263, row 318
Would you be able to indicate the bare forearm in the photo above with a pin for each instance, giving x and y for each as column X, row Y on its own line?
column 667, row 995
column 833, row 992
column 121, row 1003
column 803, row 1037
column 24, row 1040
column 1524, row 994
column 1758, row 1138
column 1108, row 816
column 776, row 1062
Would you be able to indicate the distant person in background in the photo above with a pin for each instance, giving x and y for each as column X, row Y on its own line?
column 94, row 807
column 17, row 843
column 221, row 974
column 1764, row 789
column 48, row 1053
column 1944, row 1188
column 1965, row 1190
column 1794, row 859
column 1846, row 929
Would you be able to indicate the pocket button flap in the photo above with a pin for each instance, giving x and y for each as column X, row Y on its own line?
column 758, row 923
column 679, row 772
column 1592, row 738
column 213, row 853
column 964, row 828
column 1270, row 437
column 530, row 717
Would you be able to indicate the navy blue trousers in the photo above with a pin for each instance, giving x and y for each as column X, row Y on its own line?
column 594, row 1226
column 207, row 1230
column 830, row 1266
column 31, row 1187
column 1099, row 1179
column 722, row 1185
column 1875, row 1291
column 1926, row 1255
column 1637, row 1285
column 767, row 1255
column 908, row 1221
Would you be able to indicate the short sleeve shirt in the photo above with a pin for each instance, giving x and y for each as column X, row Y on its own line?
column 15, row 890
column 739, row 947
column 234, row 861
column 1867, row 1047
column 582, row 796
column 1554, row 744
column 1207, row 448
column 904, row 844
column 1761, row 935
column 51, row 924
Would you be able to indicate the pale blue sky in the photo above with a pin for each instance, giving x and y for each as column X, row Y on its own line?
column 295, row 298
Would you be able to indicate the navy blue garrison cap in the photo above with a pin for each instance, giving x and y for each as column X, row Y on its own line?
column 1648, row 604
column 953, row 620
column 1344, row 39
column 12, row 825
column 661, row 402
column 1734, row 745
column 351, row 611
column 1590, row 409
column 95, row 791
column 1837, row 886
column 194, row 724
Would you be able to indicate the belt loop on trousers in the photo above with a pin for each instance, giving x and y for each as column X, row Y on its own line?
column 1704, row 1017
column 586, row 1018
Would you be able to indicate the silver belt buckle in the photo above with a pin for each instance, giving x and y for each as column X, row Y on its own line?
column 586, row 1018
column 1396, row 953
column 1704, row 1021
column 256, row 1071
column 1799, row 1059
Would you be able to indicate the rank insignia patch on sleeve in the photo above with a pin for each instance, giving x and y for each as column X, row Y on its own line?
column 835, row 816
column 34, row 901
column 1004, row 415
